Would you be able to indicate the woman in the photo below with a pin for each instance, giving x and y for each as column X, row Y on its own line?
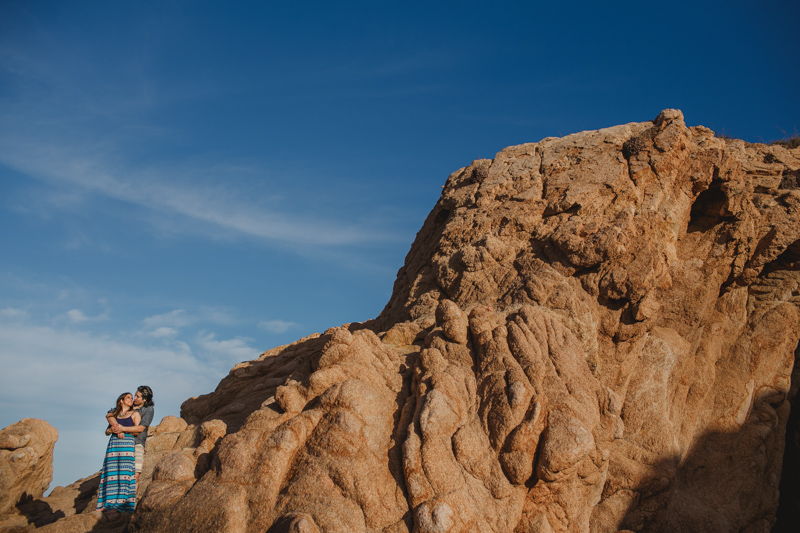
column 117, row 490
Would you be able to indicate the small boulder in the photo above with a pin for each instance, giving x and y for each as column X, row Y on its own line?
column 26, row 461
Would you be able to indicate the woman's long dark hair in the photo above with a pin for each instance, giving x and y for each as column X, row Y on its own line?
column 118, row 408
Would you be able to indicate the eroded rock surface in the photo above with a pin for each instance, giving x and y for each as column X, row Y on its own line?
column 591, row 333
column 26, row 462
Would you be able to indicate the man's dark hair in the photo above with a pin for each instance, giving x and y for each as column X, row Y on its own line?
column 147, row 395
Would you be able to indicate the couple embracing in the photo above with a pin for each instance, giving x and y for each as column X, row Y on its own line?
column 127, row 424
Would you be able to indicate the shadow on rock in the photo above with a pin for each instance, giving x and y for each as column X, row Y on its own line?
column 789, row 505
column 726, row 482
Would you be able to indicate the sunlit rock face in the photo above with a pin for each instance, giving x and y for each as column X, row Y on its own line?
column 590, row 333
column 26, row 463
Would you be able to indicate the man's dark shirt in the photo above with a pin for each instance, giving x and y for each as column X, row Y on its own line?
column 147, row 419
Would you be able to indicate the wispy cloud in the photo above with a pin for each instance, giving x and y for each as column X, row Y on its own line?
column 276, row 326
column 163, row 332
column 76, row 316
column 177, row 318
column 236, row 349
column 42, row 362
column 14, row 314
column 69, row 377
column 168, row 324
column 72, row 166
column 88, row 143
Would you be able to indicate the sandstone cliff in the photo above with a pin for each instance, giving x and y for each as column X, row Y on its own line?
column 590, row 333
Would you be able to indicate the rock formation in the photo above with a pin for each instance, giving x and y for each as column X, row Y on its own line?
column 26, row 461
column 590, row 333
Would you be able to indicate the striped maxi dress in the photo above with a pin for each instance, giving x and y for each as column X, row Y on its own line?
column 118, row 479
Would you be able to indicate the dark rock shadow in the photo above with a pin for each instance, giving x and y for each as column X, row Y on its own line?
column 116, row 524
column 44, row 511
column 38, row 512
column 725, row 483
column 788, row 518
column 88, row 492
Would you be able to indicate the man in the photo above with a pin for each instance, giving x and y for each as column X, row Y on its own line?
column 143, row 402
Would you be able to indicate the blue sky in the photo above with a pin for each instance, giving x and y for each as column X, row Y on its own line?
column 184, row 185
